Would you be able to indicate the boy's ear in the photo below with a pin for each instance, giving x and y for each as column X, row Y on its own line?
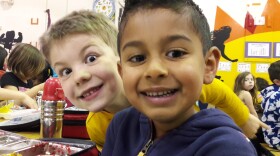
column 277, row 82
column 120, row 68
column 212, row 59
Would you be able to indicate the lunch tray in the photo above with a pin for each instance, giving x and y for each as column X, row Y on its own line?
column 13, row 144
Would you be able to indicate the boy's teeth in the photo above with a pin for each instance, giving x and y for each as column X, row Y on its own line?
column 85, row 95
column 166, row 93
column 88, row 94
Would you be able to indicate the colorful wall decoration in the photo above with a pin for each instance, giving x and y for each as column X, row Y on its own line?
column 234, row 24
column 249, row 47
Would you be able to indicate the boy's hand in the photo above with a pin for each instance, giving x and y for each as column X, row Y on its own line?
column 251, row 127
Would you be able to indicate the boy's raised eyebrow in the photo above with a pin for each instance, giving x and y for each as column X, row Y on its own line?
column 82, row 52
column 58, row 64
column 132, row 44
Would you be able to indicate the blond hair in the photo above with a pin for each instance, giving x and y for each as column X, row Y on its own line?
column 83, row 22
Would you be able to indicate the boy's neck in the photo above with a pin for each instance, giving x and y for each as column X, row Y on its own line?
column 162, row 128
column 119, row 104
column 276, row 82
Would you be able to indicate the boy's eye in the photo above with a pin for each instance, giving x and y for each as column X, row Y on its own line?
column 137, row 58
column 90, row 58
column 66, row 72
column 175, row 53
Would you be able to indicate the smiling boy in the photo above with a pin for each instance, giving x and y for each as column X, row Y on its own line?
column 167, row 46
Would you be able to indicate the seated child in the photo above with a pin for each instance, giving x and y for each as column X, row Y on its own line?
column 24, row 62
column 246, row 90
column 165, row 57
column 44, row 75
column 82, row 48
column 261, row 84
column 3, row 55
column 271, row 107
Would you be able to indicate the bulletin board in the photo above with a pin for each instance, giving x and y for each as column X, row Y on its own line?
column 258, row 49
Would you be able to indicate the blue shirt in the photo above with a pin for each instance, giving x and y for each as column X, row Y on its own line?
column 271, row 115
column 209, row 132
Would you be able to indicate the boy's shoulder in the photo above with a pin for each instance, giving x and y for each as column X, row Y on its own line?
column 211, row 119
column 271, row 90
column 213, row 128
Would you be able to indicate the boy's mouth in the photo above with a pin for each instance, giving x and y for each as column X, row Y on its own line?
column 160, row 93
column 90, row 91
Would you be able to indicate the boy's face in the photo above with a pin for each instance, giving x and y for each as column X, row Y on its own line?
column 162, row 65
column 87, row 69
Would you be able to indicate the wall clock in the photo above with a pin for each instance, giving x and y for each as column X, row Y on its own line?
column 107, row 7
column 6, row 4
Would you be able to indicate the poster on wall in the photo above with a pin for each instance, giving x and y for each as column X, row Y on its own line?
column 242, row 67
column 276, row 50
column 224, row 66
column 262, row 67
column 258, row 49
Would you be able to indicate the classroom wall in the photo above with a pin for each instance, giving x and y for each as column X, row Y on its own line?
column 260, row 24
column 30, row 18
column 247, row 20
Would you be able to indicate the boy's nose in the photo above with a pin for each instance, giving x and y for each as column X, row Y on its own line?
column 156, row 69
column 81, row 77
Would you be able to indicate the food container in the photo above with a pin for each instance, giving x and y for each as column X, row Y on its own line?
column 12, row 144
column 53, row 103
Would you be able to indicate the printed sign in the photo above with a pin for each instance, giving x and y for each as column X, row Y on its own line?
column 276, row 50
column 242, row 67
column 224, row 66
column 262, row 67
column 258, row 49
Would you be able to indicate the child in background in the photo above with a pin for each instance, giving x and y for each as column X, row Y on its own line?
column 166, row 55
column 261, row 84
column 3, row 55
column 6, row 94
column 271, row 107
column 44, row 75
column 246, row 90
column 24, row 62
column 82, row 48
